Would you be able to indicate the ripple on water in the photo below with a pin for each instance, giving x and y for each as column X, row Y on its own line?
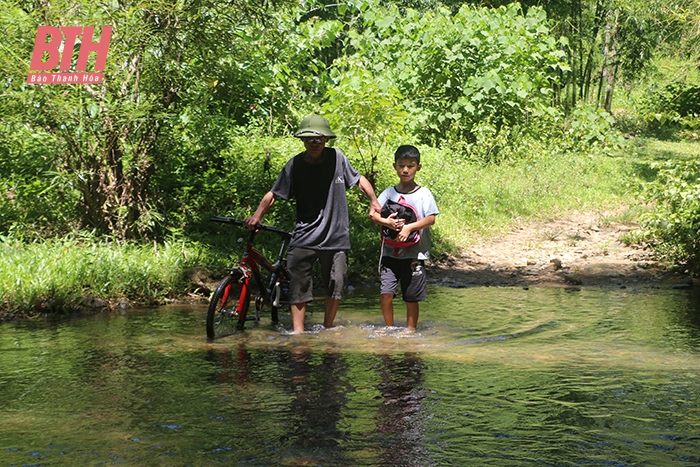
column 492, row 376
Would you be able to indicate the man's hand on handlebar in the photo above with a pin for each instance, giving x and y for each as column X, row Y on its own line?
column 268, row 200
column 251, row 222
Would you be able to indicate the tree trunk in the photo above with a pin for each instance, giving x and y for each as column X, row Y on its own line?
column 612, row 68
column 607, row 75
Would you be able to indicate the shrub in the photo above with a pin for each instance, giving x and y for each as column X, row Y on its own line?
column 673, row 227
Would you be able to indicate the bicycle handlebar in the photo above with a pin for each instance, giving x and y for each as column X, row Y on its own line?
column 258, row 226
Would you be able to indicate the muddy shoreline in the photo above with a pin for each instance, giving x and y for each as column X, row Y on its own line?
column 581, row 250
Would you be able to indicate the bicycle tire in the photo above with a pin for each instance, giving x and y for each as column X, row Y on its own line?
column 223, row 318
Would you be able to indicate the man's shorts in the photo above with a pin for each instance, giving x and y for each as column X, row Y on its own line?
column 410, row 273
column 334, row 268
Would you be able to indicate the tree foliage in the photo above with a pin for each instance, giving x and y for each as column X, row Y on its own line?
column 196, row 91
column 459, row 71
column 169, row 66
column 673, row 227
column 614, row 41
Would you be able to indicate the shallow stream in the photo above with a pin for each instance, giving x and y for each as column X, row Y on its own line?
column 493, row 377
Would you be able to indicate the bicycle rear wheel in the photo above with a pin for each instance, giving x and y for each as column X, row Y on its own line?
column 228, row 306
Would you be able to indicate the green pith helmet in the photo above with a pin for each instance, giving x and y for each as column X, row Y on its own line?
column 314, row 125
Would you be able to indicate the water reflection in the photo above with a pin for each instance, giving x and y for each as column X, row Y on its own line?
column 492, row 377
column 317, row 387
column 234, row 365
column 400, row 417
column 313, row 383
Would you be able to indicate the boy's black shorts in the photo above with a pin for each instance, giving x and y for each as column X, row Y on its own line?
column 410, row 273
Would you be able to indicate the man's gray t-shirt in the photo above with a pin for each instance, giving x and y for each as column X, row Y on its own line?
column 320, row 226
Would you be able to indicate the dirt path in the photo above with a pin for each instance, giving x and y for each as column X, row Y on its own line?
column 582, row 249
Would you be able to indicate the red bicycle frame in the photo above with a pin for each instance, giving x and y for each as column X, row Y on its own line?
column 250, row 265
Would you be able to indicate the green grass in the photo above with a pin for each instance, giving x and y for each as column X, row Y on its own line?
column 659, row 150
column 482, row 200
column 478, row 201
column 67, row 274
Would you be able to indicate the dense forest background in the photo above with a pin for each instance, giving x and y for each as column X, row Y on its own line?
column 200, row 98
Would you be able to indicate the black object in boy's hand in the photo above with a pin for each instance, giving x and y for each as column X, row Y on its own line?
column 403, row 211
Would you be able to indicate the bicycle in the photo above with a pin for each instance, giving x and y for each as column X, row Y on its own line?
column 230, row 302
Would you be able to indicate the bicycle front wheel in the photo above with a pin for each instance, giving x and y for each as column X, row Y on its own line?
column 228, row 306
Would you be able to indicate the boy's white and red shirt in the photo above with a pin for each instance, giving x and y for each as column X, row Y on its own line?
column 424, row 203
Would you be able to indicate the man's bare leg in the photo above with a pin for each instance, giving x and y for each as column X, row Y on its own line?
column 331, row 310
column 387, row 302
column 411, row 315
column 298, row 313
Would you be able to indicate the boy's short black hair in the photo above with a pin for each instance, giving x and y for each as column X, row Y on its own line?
column 407, row 152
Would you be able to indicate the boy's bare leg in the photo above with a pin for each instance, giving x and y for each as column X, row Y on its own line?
column 387, row 302
column 331, row 310
column 298, row 311
column 411, row 315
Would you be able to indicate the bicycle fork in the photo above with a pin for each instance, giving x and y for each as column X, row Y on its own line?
column 241, row 309
column 276, row 292
column 279, row 287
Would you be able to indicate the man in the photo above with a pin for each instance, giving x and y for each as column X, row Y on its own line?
column 317, row 179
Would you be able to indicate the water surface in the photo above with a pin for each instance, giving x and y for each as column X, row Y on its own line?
column 494, row 376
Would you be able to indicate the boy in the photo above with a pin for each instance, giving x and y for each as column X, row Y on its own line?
column 406, row 266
